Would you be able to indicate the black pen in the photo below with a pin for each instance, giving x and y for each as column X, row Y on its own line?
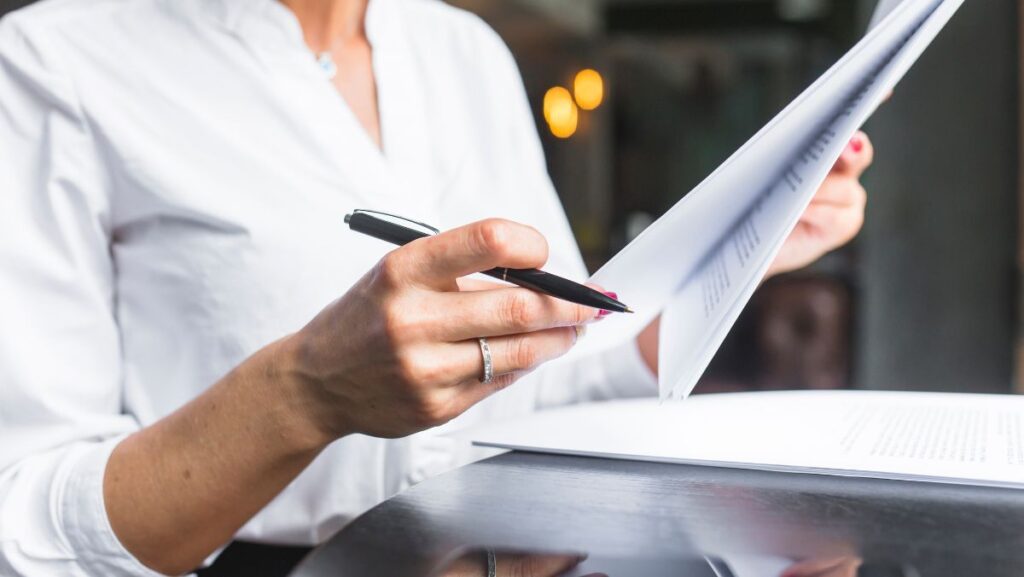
column 378, row 225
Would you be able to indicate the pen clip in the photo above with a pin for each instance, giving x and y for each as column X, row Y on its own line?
column 377, row 213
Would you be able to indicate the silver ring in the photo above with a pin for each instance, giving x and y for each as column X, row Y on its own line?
column 485, row 352
column 492, row 562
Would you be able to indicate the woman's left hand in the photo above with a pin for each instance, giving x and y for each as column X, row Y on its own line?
column 833, row 217
column 835, row 214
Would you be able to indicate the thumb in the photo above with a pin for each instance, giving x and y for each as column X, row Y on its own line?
column 438, row 260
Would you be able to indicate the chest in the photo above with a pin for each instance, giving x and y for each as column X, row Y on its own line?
column 232, row 174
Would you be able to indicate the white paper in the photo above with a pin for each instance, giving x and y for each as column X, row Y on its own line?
column 699, row 264
column 943, row 437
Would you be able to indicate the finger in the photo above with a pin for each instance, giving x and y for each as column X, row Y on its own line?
column 848, row 569
column 822, row 567
column 438, row 260
column 463, row 363
column 535, row 565
column 463, row 398
column 518, row 353
column 856, row 157
column 841, row 192
column 839, row 225
column 469, row 284
column 505, row 311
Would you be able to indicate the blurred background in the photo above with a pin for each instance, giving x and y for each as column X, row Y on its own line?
column 925, row 299
column 638, row 100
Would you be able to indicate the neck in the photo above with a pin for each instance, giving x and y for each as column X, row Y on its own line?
column 328, row 23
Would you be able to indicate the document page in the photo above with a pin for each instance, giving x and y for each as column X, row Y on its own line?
column 698, row 265
column 941, row 437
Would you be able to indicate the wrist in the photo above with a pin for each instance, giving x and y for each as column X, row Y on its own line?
column 647, row 342
column 302, row 414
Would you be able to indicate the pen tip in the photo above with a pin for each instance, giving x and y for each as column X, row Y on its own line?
column 628, row 310
column 348, row 217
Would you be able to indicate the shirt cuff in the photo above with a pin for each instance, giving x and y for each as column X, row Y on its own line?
column 87, row 526
column 626, row 372
column 615, row 372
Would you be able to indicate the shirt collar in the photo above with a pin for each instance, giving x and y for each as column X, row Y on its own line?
column 271, row 21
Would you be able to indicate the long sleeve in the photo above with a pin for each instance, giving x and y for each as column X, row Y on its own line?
column 617, row 370
column 60, row 391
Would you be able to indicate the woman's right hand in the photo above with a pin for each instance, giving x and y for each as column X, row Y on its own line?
column 398, row 353
column 474, row 564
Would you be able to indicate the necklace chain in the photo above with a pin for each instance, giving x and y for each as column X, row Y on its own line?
column 327, row 65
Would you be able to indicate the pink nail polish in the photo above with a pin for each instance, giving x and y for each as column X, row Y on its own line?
column 856, row 144
column 603, row 313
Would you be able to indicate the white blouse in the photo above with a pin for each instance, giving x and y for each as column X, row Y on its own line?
column 173, row 180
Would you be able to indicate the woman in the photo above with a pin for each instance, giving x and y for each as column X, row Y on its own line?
column 175, row 174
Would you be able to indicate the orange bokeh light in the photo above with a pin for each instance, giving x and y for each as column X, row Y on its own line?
column 588, row 88
column 560, row 112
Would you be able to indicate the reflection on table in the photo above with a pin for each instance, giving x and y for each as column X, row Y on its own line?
column 541, row 514
column 480, row 562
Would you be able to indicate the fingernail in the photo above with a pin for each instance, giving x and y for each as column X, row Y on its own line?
column 603, row 313
column 856, row 144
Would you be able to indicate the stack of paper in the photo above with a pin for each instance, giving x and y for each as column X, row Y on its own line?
column 952, row 438
column 698, row 265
